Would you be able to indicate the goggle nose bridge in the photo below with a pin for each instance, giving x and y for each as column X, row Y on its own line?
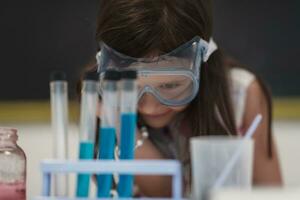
column 144, row 90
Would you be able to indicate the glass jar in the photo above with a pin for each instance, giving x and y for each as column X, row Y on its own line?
column 12, row 166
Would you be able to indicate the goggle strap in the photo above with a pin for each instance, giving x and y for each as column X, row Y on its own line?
column 212, row 47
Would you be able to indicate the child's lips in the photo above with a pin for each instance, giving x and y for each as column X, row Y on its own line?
column 157, row 115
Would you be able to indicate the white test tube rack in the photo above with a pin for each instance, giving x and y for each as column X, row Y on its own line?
column 141, row 167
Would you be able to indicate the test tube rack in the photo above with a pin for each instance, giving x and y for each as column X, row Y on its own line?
column 134, row 167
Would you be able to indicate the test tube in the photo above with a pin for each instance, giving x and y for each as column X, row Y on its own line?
column 128, row 127
column 107, row 135
column 87, row 128
column 59, row 119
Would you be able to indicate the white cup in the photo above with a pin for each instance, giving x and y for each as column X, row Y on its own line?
column 210, row 154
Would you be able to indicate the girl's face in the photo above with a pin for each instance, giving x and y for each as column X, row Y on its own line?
column 155, row 114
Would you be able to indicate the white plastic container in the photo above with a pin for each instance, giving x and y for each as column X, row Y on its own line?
column 209, row 156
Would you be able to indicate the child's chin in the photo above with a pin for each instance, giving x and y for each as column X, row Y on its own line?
column 157, row 123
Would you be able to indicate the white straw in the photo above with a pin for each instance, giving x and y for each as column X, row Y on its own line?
column 229, row 166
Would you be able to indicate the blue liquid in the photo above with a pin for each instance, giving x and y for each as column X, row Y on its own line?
column 86, row 150
column 128, row 129
column 107, row 146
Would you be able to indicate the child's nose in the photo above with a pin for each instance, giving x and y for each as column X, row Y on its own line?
column 148, row 104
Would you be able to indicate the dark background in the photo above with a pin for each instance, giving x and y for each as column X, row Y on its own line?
column 38, row 37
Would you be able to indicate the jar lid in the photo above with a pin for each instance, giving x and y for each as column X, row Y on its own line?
column 8, row 133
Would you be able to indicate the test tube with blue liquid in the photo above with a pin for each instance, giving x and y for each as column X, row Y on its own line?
column 107, row 135
column 129, row 99
column 87, row 130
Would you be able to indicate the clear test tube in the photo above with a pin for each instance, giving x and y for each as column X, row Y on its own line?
column 59, row 119
column 107, row 135
column 129, row 98
column 87, row 130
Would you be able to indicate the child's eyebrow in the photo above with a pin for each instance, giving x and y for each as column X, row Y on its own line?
column 175, row 80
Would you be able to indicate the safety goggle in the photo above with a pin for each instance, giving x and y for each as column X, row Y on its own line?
column 173, row 78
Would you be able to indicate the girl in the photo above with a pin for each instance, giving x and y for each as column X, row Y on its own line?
column 190, row 89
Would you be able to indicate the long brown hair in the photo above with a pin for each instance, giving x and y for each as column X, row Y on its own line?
column 141, row 27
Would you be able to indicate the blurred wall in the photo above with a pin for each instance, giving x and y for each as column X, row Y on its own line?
column 38, row 37
column 265, row 36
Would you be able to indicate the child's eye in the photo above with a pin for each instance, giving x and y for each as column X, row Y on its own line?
column 169, row 86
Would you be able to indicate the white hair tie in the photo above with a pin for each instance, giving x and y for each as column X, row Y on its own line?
column 212, row 47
